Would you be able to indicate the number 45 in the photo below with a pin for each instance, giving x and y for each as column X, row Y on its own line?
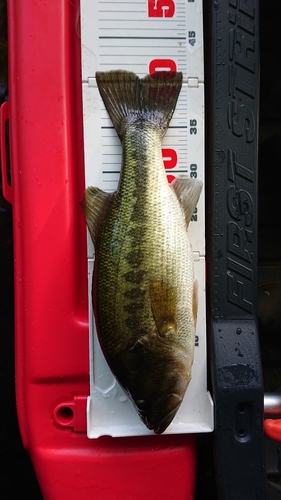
column 192, row 38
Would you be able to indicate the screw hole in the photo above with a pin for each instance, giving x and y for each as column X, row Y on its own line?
column 65, row 415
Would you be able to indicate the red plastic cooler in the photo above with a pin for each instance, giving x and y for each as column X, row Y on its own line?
column 51, row 281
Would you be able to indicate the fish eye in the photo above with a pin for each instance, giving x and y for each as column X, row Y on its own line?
column 141, row 404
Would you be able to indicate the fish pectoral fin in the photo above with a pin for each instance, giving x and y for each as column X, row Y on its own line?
column 188, row 191
column 95, row 202
column 163, row 305
column 195, row 301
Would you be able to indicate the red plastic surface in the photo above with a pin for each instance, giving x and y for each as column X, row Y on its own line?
column 272, row 428
column 4, row 117
column 52, row 367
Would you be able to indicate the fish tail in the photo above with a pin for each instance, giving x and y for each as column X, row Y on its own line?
column 133, row 100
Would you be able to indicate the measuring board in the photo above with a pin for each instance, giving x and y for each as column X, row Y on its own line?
column 145, row 36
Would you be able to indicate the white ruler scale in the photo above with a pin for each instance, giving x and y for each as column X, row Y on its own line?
column 145, row 36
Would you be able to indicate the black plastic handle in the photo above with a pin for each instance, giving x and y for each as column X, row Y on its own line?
column 232, row 113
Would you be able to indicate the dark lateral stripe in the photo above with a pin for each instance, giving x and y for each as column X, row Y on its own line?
column 135, row 257
column 133, row 307
column 135, row 293
column 134, row 276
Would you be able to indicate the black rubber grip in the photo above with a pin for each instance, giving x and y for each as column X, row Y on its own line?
column 232, row 123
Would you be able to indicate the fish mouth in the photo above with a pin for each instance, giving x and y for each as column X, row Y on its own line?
column 166, row 407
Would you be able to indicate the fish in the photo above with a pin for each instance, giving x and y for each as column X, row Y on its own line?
column 144, row 293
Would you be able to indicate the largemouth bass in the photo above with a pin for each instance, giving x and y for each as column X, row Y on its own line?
column 144, row 295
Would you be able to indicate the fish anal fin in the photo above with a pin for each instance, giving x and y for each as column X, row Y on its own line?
column 188, row 192
column 94, row 205
column 163, row 305
column 195, row 301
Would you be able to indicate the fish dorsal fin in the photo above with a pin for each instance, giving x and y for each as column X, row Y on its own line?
column 95, row 202
column 130, row 99
column 163, row 305
column 188, row 192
